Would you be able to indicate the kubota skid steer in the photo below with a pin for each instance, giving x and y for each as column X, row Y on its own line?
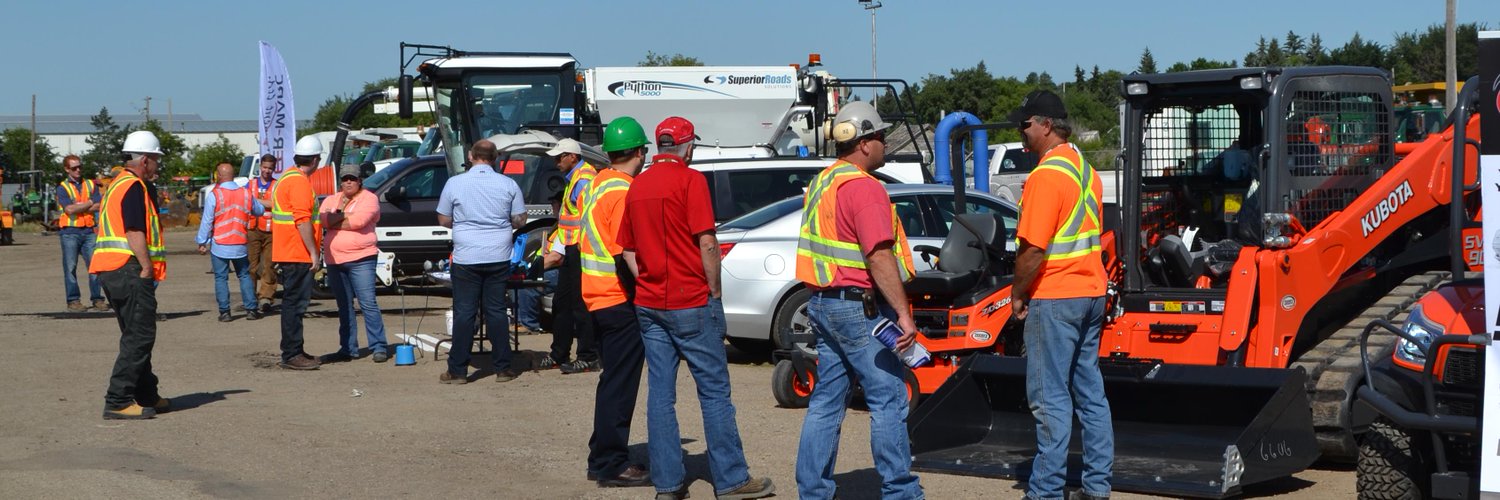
column 1264, row 220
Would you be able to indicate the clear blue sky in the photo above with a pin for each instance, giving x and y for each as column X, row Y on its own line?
column 77, row 57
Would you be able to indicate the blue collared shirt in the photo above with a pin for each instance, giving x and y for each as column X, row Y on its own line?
column 580, row 187
column 206, row 227
column 481, row 203
column 65, row 200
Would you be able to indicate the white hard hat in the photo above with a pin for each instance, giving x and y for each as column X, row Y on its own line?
column 142, row 141
column 857, row 119
column 308, row 146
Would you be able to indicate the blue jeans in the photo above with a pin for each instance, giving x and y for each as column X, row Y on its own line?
column 695, row 335
column 529, row 301
column 1062, row 377
column 479, row 287
column 349, row 281
column 844, row 346
column 221, row 281
column 75, row 245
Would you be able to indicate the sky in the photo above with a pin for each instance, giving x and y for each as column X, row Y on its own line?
column 201, row 56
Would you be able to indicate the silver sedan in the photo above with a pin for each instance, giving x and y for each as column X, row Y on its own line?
column 764, row 301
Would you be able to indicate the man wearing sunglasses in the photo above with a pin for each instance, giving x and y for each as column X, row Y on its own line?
column 77, row 201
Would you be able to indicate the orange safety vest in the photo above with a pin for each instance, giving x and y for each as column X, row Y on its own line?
column 570, row 220
column 820, row 252
column 111, row 249
column 286, row 241
column 85, row 219
column 262, row 191
column 596, row 246
column 231, row 215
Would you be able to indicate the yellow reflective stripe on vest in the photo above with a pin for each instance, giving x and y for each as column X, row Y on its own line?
column 597, row 261
column 1070, row 242
column 279, row 216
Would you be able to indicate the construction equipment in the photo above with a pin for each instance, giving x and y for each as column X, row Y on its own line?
column 1418, row 408
column 1230, row 344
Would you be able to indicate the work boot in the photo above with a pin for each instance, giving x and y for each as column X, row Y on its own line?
column 101, row 305
column 301, row 363
column 224, row 317
column 265, row 307
column 507, row 375
column 253, row 314
column 162, row 405
column 580, row 366
column 449, row 378
column 759, row 487
column 380, row 357
column 1080, row 495
column 76, row 306
column 634, row 476
column 132, row 412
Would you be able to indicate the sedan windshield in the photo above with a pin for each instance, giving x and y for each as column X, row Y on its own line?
column 765, row 215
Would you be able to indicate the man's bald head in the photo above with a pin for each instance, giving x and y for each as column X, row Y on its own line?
column 483, row 152
column 225, row 170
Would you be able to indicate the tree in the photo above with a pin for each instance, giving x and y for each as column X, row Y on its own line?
column 1315, row 55
column 1417, row 56
column 1358, row 52
column 654, row 59
column 205, row 157
column 1148, row 63
column 104, row 143
column 15, row 143
column 328, row 114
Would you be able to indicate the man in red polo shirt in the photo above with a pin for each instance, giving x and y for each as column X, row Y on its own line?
column 668, row 240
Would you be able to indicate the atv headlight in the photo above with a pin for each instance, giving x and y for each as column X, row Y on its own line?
column 1419, row 327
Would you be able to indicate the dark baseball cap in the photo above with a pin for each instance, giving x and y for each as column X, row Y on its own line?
column 1038, row 103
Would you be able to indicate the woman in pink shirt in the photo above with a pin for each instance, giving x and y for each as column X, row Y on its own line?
column 349, row 219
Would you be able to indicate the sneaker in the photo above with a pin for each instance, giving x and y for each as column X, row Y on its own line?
column 76, row 306
column 507, row 375
column 253, row 315
column 449, row 378
column 162, row 405
column 380, row 357
column 224, row 317
column 132, row 412
column 634, row 476
column 759, row 487
column 101, row 305
column 1081, row 495
column 546, row 363
column 580, row 366
column 303, row 362
column 336, row 357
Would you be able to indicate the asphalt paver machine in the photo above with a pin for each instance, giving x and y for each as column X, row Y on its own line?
column 1264, row 219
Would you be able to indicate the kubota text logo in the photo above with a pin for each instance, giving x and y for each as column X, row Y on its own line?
column 1387, row 207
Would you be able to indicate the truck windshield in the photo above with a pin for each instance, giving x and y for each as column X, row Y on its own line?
column 487, row 104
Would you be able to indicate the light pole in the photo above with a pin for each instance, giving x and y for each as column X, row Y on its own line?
column 871, row 5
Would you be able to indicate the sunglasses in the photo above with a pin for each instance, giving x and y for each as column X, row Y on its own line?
column 878, row 137
column 1024, row 125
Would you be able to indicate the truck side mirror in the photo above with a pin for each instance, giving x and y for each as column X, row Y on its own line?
column 396, row 194
column 403, row 106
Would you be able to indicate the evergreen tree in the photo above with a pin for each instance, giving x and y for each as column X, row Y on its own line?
column 104, row 143
column 1148, row 63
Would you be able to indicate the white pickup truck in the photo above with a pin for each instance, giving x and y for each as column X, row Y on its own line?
column 1010, row 163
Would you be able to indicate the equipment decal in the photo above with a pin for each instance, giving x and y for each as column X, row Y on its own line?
column 1383, row 210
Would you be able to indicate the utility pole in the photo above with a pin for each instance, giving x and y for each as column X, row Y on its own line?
column 1451, row 62
column 148, row 108
column 169, row 114
column 871, row 6
column 33, row 132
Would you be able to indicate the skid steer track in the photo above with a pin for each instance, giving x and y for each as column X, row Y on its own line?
column 1333, row 365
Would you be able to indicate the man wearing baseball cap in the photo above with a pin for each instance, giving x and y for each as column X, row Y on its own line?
column 569, row 318
column 669, row 244
column 1059, row 293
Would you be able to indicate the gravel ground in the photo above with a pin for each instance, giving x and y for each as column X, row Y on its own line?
column 245, row 429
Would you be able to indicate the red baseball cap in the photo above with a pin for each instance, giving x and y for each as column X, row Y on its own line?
column 675, row 130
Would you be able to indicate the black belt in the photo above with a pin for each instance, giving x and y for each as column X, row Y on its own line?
column 845, row 293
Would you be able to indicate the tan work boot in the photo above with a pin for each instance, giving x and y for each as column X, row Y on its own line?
column 756, row 487
column 76, row 306
column 301, row 363
column 101, row 305
column 132, row 412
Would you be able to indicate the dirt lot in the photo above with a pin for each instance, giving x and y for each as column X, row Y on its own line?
column 245, row 429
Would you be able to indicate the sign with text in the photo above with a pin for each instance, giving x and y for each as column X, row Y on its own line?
column 278, row 119
column 1489, row 168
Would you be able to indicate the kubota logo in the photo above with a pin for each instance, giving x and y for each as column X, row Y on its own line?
column 1387, row 207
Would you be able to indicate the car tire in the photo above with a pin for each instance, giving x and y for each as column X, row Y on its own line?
column 788, row 391
column 791, row 316
column 1389, row 466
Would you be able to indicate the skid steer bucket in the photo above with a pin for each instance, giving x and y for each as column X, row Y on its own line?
column 1194, row 431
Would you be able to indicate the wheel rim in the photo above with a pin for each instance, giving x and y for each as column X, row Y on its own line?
column 802, row 325
column 802, row 385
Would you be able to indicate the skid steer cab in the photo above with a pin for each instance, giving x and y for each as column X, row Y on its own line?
column 961, row 307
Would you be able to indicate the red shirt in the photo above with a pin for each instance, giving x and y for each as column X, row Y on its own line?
column 667, row 205
column 864, row 216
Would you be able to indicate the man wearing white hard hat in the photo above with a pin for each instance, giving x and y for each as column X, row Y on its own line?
column 295, row 248
column 130, row 259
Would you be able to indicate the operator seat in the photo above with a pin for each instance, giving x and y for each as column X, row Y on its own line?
column 962, row 259
column 1173, row 264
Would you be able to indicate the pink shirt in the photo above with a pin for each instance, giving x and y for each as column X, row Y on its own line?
column 864, row 216
column 342, row 246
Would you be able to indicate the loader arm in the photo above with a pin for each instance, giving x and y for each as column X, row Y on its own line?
column 1291, row 280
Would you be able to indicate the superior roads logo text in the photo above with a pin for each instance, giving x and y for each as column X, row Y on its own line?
column 749, row 79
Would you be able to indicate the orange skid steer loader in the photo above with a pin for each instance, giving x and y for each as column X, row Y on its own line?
column 1264, row 219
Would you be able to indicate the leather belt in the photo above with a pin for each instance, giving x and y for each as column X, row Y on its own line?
column 845, row 293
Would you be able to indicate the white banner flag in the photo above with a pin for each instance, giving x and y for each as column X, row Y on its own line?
column 1489, row 168
column 278, row 119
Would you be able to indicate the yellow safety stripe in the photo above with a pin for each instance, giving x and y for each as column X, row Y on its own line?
column 597, row 261
column 1069, row 242
column 279, row 216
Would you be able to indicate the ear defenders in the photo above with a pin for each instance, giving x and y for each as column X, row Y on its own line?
column 847, row 130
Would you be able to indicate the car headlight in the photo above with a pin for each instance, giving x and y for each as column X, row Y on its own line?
column 1419, row 327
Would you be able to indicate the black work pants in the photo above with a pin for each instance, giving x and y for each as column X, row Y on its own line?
column 479, row 292
column 569, row 316
column 621, row 355
column 133, row 299
column 296, row 285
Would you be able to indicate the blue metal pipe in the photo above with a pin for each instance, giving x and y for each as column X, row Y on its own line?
column 979, row 140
